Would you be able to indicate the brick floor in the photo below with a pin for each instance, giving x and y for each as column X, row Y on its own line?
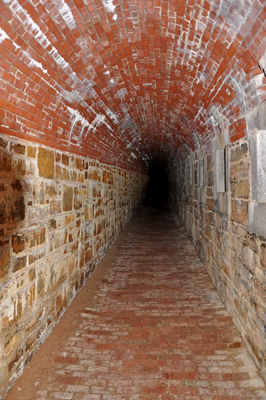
column 147, row 325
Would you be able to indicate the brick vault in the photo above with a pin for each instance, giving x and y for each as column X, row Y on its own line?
column 92, row 93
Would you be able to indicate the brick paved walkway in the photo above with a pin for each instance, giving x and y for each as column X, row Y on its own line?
column 148, row 325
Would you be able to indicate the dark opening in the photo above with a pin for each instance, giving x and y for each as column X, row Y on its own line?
column 158, row 186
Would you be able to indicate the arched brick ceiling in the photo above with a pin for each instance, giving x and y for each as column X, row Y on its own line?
column 123, row 81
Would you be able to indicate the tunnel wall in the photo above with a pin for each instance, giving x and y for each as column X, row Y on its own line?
column 59, row 213
column 220, row 223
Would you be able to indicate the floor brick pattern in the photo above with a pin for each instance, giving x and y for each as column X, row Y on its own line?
column 148, row 325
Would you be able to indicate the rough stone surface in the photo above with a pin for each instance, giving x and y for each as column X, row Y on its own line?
column 46, row 163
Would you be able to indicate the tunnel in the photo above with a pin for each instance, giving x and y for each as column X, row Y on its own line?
column 157, row 190
column 109, row 108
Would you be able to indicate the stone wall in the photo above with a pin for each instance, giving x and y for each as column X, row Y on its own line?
column 59, row 213
column 218, row 225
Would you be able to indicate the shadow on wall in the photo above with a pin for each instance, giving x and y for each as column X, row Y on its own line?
column 158, row 187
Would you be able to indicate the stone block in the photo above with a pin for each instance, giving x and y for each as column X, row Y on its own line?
column 38, row 192
column 18, row 355
column 19, row 167
column 79, row 164
column 18, row 243
column 55, row 206
column 12, row 209
column 219, row 171
column 65, row 174
column 4, row 262
column 58, row 157
column 52, row 224
column 242, row 189
column 60, row 303
column 19, row 263
column 18, row 148
column 31, row 151
column 239, row 212
column 51, row 189
column 32, row 275
column 258, row 165
column 67, row 198
column 3, row 143
column 238, row 152
column 88, row 212
column 257, row 118
column 5, row 163
column 46, row 163
column 73, row 175
column 65, row 159
column 58, row 172
column 201, row 173
column 36, row 256
column 36, row 237
column 81, row 178
column 257, row 218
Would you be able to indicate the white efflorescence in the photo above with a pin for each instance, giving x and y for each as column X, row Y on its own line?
column 36, row 31
column 109, row 5
column 34, row 63
column 3, row 36
column 26, row 58
column 28, row 22
column 76, row 118
column 111, row 114
column 66, row 13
